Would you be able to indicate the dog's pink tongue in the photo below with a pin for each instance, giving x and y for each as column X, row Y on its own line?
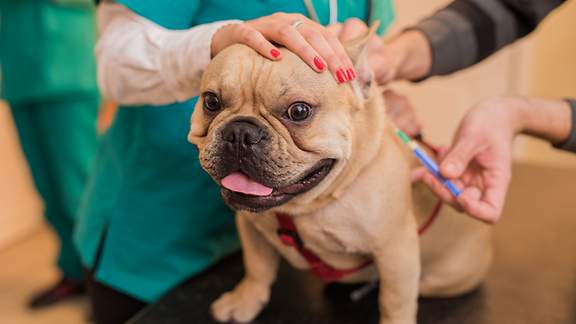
column 239, row 182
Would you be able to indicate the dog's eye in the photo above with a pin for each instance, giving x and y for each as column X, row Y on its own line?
column 299, row 111
column 211, row 102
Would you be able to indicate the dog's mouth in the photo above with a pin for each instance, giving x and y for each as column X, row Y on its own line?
column 241, row 192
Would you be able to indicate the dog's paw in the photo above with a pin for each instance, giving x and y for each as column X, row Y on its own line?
column 242, row 304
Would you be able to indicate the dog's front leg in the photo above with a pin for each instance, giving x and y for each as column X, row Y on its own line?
column 398, row 263
column 248, row 298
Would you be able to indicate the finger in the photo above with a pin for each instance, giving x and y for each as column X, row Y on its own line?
column 340, row 51
column 497, row 188
column 458, row 157
column 442, row 152
column 486, row 206
column 442, row 192
column 254, row 39
column 402, row 113
column 421, row 174
column 295, row 42
column 491, row 201
column 352, row 28
column 437, row 188
column 417, row 174
column 335, row 29
column 317, row 40
column 475, row 207
column 335, row 44
column 408, row 124
column 394, row 103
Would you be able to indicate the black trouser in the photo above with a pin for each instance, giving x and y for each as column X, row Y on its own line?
column 110, row 306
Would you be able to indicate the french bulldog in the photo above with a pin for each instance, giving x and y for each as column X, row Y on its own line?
column 289, row 145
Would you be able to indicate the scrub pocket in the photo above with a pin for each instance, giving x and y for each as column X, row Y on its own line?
column 67, row 48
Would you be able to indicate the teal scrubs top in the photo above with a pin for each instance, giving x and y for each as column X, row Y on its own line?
column 152, row 217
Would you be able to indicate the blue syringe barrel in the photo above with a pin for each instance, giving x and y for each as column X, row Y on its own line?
column 433, row 168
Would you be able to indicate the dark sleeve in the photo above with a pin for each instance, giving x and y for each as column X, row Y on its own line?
column 570, row 143
column 467, row 31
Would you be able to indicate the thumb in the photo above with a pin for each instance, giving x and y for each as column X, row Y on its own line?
column 417, row 174
column 458, row 157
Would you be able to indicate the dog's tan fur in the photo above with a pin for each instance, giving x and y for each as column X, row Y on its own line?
column 364, row 208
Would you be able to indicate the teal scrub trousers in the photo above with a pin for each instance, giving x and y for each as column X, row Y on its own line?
column 59, row 139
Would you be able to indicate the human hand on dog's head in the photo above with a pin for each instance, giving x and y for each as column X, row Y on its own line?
column 406, row 56
column 307, row 39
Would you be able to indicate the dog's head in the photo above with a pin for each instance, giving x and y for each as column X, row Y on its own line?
column 269, row 131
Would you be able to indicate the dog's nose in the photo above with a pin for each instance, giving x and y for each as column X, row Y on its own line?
column 243, row 133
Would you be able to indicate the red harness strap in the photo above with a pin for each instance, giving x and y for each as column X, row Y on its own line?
column 288, row 235
column 435, row 212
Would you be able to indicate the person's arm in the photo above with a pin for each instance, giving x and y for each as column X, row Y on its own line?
column 456, row 37
column 467, row 31
column 140, row 62
column 480, row 158
column 551, row 120
column 570, row 143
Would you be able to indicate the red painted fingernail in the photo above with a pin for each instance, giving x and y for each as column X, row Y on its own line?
column 341, row 75
column 318, row 62
column 345, row 74
column 275, row 53
column 350, row 74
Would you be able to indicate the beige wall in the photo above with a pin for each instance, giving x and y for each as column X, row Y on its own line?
column 553, row 69
column 552, row 73
column 20, row 208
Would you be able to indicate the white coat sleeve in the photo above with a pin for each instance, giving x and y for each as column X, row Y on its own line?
column 140, row 62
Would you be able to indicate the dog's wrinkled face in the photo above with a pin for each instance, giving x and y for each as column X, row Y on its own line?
column 269, row 131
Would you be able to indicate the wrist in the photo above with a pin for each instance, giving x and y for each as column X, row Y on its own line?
column 546, row 119
column 414, row 55
column 520, row 114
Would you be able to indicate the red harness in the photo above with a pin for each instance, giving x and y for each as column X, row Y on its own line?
column 288, row 235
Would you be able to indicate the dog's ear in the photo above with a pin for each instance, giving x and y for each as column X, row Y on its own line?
column 358, row 51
